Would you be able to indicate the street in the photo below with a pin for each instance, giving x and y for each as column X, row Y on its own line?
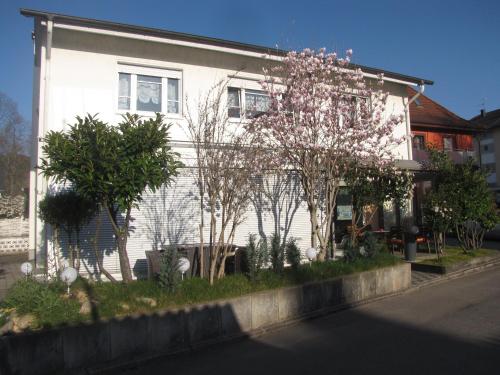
column 449, row 328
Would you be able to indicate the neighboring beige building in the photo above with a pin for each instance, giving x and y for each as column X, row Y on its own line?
column 489, row 147
column 91, row 66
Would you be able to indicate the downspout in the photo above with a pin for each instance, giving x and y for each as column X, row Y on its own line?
column 421, row 88
column 42, row 184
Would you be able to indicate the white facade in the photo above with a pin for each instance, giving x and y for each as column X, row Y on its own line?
column 77, row 72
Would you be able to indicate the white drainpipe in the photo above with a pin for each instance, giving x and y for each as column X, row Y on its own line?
column 421, row 89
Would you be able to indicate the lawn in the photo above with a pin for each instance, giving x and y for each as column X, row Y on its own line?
column 49, row 306
column 455, row 254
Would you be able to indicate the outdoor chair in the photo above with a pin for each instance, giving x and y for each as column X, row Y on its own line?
column 395, row 239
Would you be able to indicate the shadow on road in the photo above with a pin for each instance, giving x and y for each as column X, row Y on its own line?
column 350, row 342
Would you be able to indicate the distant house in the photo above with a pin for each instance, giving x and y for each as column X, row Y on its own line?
column 433, row 125
column 84, row 65
column 489, row 147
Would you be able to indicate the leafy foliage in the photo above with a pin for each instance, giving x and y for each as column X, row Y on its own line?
column 277, row 253
column 112, row 165
column 44, row 301
column 293, row 253
column 169, row 276
column 257, row 256
column 371, row 186
column 461, row 200
column 66, row 209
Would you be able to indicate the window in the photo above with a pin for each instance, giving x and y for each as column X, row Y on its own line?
column 149, row 90
column 234, row 102
column 148, row 93
column 418, row 142
column 124, row 91
column 256, row 102
column 448, row 143
column 173, row 96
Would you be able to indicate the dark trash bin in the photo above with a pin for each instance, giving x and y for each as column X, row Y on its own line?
column 411, row 243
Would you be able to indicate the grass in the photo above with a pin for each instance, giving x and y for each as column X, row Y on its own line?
column 49, row 305
column 455, row 254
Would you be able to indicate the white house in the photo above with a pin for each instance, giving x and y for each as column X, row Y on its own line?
column 90, row 66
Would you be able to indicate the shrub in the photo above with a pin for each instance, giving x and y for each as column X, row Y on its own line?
column 293, row 253
column 277, row 253
column 256, row 256
column 169, row 275
column 44, row 301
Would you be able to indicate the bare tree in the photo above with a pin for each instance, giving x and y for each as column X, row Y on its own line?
column 224, row 167
column 14, row 161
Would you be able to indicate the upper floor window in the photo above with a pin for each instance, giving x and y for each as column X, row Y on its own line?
column 448, row 143
column 419, row 142
column 149, row 92
column 255, row 102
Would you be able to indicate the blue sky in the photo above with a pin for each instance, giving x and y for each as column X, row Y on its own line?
column 454, row 43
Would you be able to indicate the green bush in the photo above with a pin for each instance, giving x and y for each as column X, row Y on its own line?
column 257, row 257
column 293, row 253
column 277, row 253
column 44, row 301
column 169, row 275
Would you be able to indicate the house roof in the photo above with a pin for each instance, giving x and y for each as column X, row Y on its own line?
column 490, row 120
column 426, row 114
column 114, row 26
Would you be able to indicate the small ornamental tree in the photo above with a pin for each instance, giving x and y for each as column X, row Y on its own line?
column 69, row 211
column 323, row 115
column 460, row 200
column 112, row 166
column 372, row 187
column 224, row 168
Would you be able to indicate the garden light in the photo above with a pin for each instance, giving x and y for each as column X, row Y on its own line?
column 311, row 253
column 68, row 276
column 184, row 265
column 26, row 268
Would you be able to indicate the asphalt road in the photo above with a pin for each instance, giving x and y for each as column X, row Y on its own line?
column 449, row 328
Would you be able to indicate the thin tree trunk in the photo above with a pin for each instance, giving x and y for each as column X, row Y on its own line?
column 95, row 245
column 121, row 236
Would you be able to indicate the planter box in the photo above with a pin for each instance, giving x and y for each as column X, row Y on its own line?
column 68, row 349
column 456, row 267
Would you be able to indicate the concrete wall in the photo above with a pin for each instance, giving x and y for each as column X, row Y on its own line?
column 71, row 348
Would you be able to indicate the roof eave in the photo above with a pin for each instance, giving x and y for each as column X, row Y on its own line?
column 114, row 26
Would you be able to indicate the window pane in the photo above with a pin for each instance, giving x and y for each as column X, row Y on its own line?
column 148, row 93
column 124, row 91
column 448, row 143
column 173, row 95
column 233, row 102
column 172, row 107
column 256, row 102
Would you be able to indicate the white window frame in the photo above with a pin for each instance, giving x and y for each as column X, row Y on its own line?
column 242, row 95
column 164, row 74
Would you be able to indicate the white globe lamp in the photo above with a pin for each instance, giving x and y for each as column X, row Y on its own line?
column 311, row 253
column 184, row 265
column 68, row 276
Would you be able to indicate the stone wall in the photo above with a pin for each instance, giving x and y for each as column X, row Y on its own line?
column 70, row 348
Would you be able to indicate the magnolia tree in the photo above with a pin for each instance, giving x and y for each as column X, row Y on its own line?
column 224, row 170
column 323, row 115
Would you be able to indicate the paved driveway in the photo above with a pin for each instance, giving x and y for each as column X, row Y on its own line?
column 449, row 328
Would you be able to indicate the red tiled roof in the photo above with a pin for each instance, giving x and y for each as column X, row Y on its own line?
column 489, row 120
column 426, row 113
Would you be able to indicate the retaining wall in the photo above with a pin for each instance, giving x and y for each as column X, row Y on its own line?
column 68, row 349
